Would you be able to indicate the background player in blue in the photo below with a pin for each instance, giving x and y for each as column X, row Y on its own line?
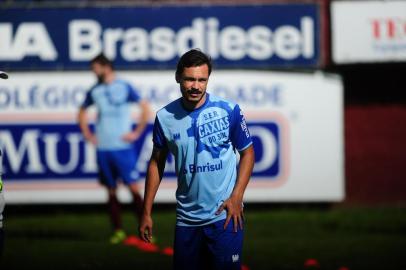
column 114, row 136
column 202, row 132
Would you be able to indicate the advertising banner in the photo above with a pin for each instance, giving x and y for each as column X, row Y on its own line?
column 295, row 121
column 279, row 35
column 368, row 31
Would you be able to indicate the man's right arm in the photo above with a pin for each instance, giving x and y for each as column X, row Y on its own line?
column 154, row 176
column 84, row 126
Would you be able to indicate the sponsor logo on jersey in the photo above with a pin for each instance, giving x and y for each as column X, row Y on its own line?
column 208, row 167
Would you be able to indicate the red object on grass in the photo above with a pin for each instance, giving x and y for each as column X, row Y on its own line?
column 141, row 245
column 244, row 267
column 311, row 263
column 168, row 251
column 132, row 241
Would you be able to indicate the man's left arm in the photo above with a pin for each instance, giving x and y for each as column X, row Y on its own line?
column 142, row 122
column 233, row 205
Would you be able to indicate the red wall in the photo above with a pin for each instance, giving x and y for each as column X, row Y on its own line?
column 375, row 152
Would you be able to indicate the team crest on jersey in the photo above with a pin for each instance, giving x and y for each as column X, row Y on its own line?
column 211, row 130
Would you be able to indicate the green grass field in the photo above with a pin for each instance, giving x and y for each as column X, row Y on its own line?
column 275, row 238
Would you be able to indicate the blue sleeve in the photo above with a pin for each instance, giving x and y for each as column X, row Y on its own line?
column 240, row 135
column 158, row 137
column 88, row 100
column 133, row 95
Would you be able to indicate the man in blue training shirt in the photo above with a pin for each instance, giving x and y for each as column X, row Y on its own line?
column 114, row 136
column 202, row 132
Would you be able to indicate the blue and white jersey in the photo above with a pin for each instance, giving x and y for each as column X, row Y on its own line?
column 203, row 142
column 113, row 103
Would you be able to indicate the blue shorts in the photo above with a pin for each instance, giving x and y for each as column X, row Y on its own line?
column 208, row 247
column 117, row 164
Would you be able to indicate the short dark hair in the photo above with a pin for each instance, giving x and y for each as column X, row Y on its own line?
column 192, row 58
column 102, row 60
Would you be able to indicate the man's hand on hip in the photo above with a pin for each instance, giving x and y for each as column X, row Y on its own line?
column 234, row 209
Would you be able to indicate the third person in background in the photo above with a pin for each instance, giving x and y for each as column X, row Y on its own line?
column 114, row 136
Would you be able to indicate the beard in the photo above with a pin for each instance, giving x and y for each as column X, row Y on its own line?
column 100, row 79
